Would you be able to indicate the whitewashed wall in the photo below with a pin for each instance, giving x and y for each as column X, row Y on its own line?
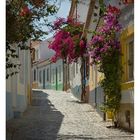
column 82, row 9
column 75, row 78
column 50, row 83
column 44, row 51
column 17, row 87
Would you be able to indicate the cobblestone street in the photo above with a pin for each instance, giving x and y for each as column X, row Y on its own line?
column 56, row 115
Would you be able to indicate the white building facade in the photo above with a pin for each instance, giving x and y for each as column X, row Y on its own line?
column 18, row 86
column 47, row 75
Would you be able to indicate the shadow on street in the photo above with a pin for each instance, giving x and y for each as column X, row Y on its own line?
column 41, row 121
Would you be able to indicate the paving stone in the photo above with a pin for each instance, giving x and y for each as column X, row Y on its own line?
column 56, row 115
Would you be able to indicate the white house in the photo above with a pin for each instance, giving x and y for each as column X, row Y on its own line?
column 47, row 75
column 75, row 74
column 18, row 86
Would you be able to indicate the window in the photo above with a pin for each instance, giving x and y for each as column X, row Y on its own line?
column 36, row 54
column 131, row 60
column 34, row 74
column 53, row 74
column 40, row 79
column 59, row 72
column 47, row 74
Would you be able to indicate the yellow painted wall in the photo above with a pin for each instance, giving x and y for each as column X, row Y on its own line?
column 91, row 82
column 94, row 74
column 126, row 34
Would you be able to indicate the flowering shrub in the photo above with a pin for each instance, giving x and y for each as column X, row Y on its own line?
column 104, row 41
column 67, row 43
column 104, row 49
column 59, row 22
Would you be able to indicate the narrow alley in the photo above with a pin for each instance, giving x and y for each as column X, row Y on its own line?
column 57, row 115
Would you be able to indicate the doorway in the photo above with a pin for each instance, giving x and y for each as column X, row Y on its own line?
column 56, row 80
column 43, row 79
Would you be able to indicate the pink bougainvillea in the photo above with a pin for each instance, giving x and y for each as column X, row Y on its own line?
column 58, row 23
column 104, row 41
column 67, row 42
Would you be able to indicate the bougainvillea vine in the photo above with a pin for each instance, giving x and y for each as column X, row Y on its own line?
column 104, row 40
column 104, row 49
column 68, row 44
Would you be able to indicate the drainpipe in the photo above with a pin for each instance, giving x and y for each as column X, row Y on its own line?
column 63, row 77
column 50, row 77
column 95, row 85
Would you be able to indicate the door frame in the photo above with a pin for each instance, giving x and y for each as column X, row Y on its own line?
column 44, row 79
column 56, row 85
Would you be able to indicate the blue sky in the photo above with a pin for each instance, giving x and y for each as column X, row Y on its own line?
column 63, row 12
column 64, row 9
